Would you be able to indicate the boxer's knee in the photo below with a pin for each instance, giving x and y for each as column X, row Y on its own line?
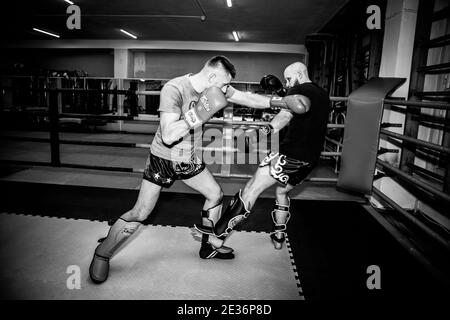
column 281, row 194
column 215, row 195
column 281, row 191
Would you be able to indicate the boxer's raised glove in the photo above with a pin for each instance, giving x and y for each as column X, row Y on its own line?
column 296, row 103
column 211, row 100
column 271, row 83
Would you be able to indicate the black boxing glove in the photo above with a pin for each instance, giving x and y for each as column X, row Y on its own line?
column 271, row 83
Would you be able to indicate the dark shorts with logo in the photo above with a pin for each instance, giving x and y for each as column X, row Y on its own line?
column 164, row 172
column 286, row 170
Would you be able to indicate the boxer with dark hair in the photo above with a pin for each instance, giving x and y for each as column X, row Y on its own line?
column 298, row 154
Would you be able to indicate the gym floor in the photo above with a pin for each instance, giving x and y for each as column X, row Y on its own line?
column 332, row 242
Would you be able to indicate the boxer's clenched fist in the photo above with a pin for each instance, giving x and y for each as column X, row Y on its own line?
column 211, row 101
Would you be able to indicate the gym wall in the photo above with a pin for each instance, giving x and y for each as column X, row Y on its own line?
column 158, row 64
column 250, row 66
column 97, row 63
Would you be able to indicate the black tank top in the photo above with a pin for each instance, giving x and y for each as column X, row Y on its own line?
column 305, row 135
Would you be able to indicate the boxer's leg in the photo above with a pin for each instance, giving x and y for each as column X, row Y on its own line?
column 207, row 250
column 239, row 208
column 254, row 187
column 122, row 229
column 289, row 172
column 235, row 213
column 204, row 183
column 280, row 215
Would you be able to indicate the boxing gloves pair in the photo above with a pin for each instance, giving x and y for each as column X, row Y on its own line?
column 294, row 103
column 213, row 99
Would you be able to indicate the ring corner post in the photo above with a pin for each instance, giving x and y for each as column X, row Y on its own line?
column 361, row 134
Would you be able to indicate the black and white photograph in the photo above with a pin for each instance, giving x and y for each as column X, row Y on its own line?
column 224, row 159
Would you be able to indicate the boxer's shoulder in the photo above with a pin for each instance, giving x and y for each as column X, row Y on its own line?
column 180, row 83
column 297, row 89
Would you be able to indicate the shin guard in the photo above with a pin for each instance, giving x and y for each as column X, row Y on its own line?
column 207, row 250
column 234, row 215
column 119, row 232
column 280, row 217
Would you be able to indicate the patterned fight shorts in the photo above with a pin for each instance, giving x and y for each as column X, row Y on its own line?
column 164, row 172
column 286, row 170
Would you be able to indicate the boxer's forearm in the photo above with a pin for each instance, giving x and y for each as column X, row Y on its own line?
column 251, row 100
column 281, row 120
column 174, row 131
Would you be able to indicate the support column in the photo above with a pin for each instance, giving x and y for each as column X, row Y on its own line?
column 122, row 62
column 396, row 60
column 139, row 66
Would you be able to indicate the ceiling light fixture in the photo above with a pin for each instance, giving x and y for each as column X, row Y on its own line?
column 68, row 1
column 128, row 34
column 235, row 35
column 49, row 33
column 229, row 3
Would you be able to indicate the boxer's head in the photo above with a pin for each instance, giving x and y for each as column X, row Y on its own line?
column 218, row 72
column 296, row 73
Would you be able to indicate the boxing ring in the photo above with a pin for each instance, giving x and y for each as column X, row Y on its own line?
column 147, row 267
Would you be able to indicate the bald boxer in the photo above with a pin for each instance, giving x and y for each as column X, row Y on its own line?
column 186, row 102
column 287, row 167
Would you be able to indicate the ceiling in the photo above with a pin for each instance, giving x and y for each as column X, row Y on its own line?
column 256, row 21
